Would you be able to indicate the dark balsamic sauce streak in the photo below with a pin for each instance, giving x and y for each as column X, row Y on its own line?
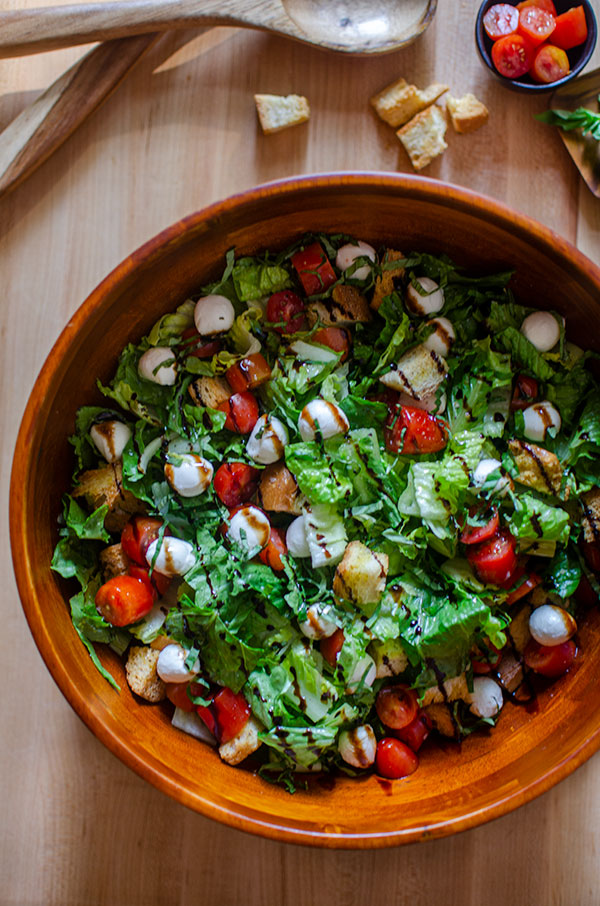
column 542, row 469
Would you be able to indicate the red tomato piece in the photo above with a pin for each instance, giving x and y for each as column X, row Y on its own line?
column 235, row 483
column 494, row 561
column 143, row 575
column 411, row 430
column 335, row 338
column 314, row 269
column 536, row 24
column 531, row 582
column 242, row 412
column 331, row 647
column 484, row 660
column 415, row 734
column 550, row 660
column 550, row 64
column 124, row 600
column 248, row 373
column 286, row 312
column 396, row 706
column 137, row 536
column 177, row 693
column 276, row 548
column 512, row 56
column 157, row 582
column 548, row 5
column 525, row 392
column 395, row 759
column 207, row 714
column 475, row 534
column 195, row 345
column 571, row 28
column 500, row 20
column 232, row 713
column 591, row 552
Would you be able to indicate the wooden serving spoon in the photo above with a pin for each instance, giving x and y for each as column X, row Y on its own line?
column 352, row 26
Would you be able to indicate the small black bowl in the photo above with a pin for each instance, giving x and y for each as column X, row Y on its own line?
column 578, row 56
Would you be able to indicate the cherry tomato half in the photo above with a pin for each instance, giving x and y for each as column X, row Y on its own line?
column 536, row 24
column 276, row 548
column 394, row 759
column 548, row 5
column 550, row 660
column 137, row 536
column 235, row 483
column 242, row 412
column 314, row 269
column 475, row 534
column 331, row 647
column 531, row 582
column 525, row 392
column 571, row 28
column 124, row 600
column 199, row 347
column 411, row 430
column 512, row 56
column 286, row 312
column 495, row 561
column 177, row 693
column 396, row 706
column 232, row 713
column 500, row 20
column 248, row 373
column 335, row 338
column 157, row 582
column 415, row 734
column 550, row 64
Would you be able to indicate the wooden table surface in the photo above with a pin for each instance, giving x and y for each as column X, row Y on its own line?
column 76, row 826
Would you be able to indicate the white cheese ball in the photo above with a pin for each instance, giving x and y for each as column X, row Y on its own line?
column 296, row 540
column 249, row 527
column 110, row 439
column 364, row 674
column 442, row 338
column 487, row 698
column 189, row 475
column 320, row 417
column 317, row 625
column 551, row 625
column 267, row 440
column 428, row 304
column 484, row 468
column 348, row 254
column 158, row 365
column 358, row 747
column 541, row 328
column 175, row 557
column 539, row 418
column 213, row 314
column 171, row 665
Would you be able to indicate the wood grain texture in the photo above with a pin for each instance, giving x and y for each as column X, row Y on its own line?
column 78, row 828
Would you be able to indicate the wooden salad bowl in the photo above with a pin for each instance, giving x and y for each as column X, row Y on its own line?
column 455, row 788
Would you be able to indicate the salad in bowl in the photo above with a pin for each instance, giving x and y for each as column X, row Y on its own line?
column 341, row 500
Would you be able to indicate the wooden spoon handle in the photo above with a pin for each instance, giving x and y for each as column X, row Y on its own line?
column 43, row 126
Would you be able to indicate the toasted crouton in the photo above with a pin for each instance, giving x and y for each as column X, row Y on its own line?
column 453, row 689
column 518, row 628
column 142, row 677
column 113, row 561
column 361, row 575
column 209, row 391
column 441, row 719
column 277, row 112
column 591, row 515
column 511, row 673
column 538, row 468
column 105, row 486
column 423, row 136
column 466, row 113
column 242, row 745
column 346, row 306
column 397, row 103
column 418, row 373
column 386, row 284
column 278, row 491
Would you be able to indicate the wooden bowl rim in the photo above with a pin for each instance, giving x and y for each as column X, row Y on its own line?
column 24, row 458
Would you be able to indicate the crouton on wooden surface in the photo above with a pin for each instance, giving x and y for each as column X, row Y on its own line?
column 591, row 515
column 242, row 745
column 209, row 391
column 278, row 491
column 113, row 561
column 418, row 373
column 346, row 306
column 441, row 719
column 511, row 673
column 142, row 677
column 466, row 113
column 397, row 103
column 105, row 486
column 277, row 112
column 423, row 136
column 454, row 688
column 538, row 468
column 361, row 575
column 386, row 283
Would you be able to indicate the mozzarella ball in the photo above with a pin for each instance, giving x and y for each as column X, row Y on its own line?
column 487, row 698
column 295, row 538
column 267, row 440
column 158, row 365
column 171, row 665
column 213, row 314
column 442, row 338
column 317, row 625
column 249, row 527
column 428, row 304
column 539, row 418
column 348, row 254
column 551, row 625
column 110, row 439
column 541, row 328
column 364, row 674
column 323, row 418
column 190, row 475
column 358, row 747
column 484, row 468
column 175, row 557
